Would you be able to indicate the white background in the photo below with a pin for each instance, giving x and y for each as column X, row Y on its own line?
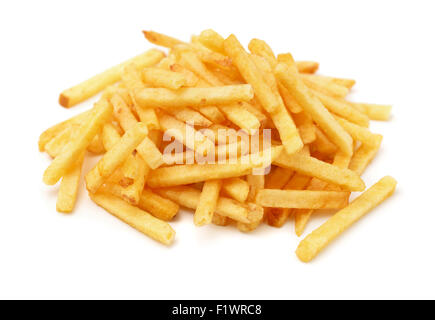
column 47, row 46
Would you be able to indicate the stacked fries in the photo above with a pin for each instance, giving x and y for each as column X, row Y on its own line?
column 288, row 142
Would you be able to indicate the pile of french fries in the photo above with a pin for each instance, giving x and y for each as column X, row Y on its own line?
column 319, row 142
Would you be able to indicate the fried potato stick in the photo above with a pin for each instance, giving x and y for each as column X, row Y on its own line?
column 139, row 219
column 71, row 152
column 236, row 188
column 343, row 219
column 207, row 202
column 67, row 195
column 92, row 86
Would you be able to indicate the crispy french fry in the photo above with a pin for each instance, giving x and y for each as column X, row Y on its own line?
column 162, row 78
column 322, row 144
column 360, row 133
column 161, row 39
column 96, row 146
column 322, row 236
column 307, row 66
column 313, row 167
column 301, row 199
column 313, row 107
column 306, row 127
column 88, row 129
column 189, row 197
column 92, row 86
column 343, row 109
column 192, row 173
column 194, row 97
column 362, row 157
column 189, row 115
column 212, row 40
column 251, row 74
column 207, row 202
column 55, row 145
column 374, row 111
column 139, row 219
column 122, row 113
column 278, row 177
column 348, row 83
column 241, row 117
column 150, row 153
column 67, row 196
column 236, row 188
column 181, row 132
column 289, row 101
column 330, row 89
column 115, row 156
column 55, row 130
column 132, row 192
column 149, row 117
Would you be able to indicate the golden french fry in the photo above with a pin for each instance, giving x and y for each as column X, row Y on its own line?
column 55, row 145
column 312, row 106
column 150, row 153
column 69, row 186
column 330, row 89
column 278, row 177
column 96, row 146
column 236, row 188
column 374, row 111
column 322, row 144
column 122, row 113
column 212, row 40
column 343, row 109
column 241, row 117
column 322, row 236
column 158, row 206
column 139, row 219
column 161, row 39
column 92, row 86
column 307, row 66
column 189, row 197
column 88, row 129
column 289, row 101
column 301, row 199
column 313, row 167
column 207, row 202
column 306, row 127
column 162, row 78
column 194, row 97
column 189, row 115
column 132, row 192
column 192, row 173
column 362, row 157
column 149, row 117
column 360, row 133
column 348, row 83
column 55, row 130
column 115, row 156
column 251, row 74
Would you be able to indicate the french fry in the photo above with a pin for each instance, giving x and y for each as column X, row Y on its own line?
column 162, row 78
column 307, row 66
column 194, row 97
column 189, row 115
column 343, row 109
column 132, row 192
column 362, row 157
column 306, row 127
column 88, row 129
column 322, row 144
column 236, row 188
column 313, row 107
column 139, row 219
column 190, row 78
column 96, row 146
column 301, row 199
column 331, row 229
column 55, row 145
column 192, row 173
column 330, row 89
column 302, row 216
column 122, row 113
column 55, row 130
column 241, row 117
column 181, row 132
column 207, row 202
column 150, row 153
column 374, row 111
column 189, row 197
column 348, row 83
column 212, row 40
column 115, row 156
column 149, row 117
column 313, row 167
column 67, row 195
column 92, row 86
column 158, row 206
column 289, row 101
column 161, row 39
column 278, row 177
column 251, row 74
column 360, row 133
